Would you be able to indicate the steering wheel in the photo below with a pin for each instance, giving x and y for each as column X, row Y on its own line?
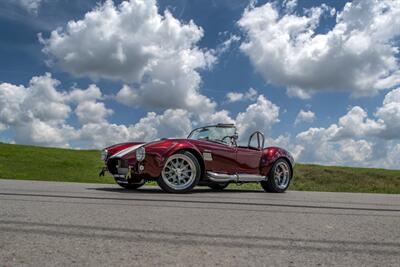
column 230, row 140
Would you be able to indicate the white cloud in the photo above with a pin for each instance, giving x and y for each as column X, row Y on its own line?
column 172, row 123
column 389, row 115
column 357, row 124
column 289, row 5
column 30, row 5
column 44, row 133
column 40, row 113
column 357, row 54
column 258, row 116
column 92, row 93
column 234, row 96
column 92, row 112
column 251, row 94
column 155, row 54
column 227, row 44
column 392, row 160
column 209, row 118
column 318, row 145
column 11, row 97
column 356, row 139
column 304, row 116
column 39, row 100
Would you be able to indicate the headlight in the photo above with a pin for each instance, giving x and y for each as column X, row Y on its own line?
column 140, row 153
column 104, row 154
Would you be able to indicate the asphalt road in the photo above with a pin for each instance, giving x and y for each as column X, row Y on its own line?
column 49, row 223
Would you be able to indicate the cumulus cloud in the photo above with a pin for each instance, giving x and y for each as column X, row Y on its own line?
column 389, row 115
column 258, row 116
column 172, row 123
column 39, row 100
column 155, row 54
column 356, row 139
column 304, row 116
column 77, row 95
column 319, row 145
column 251, row 94
column 37, row 112
column 43, row 133
column 92, row 112
column 40, row 114
column 357, row 54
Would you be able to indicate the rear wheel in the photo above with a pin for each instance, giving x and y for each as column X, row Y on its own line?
column 218, row 186
column 180, row 174
column 132, row 186
column 278, row 178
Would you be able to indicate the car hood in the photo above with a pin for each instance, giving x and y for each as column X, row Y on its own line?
column 123, row 149
column 119, row 148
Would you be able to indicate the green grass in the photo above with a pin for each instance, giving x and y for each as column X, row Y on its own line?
column 55, row 164
column 310, row 177
column 50, row 164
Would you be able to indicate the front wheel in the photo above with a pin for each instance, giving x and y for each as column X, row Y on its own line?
column 180, row 174
column 278, row 178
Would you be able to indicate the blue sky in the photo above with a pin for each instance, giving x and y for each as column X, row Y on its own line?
column 233, row 70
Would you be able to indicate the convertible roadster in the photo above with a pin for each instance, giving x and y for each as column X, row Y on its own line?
column 209, row 156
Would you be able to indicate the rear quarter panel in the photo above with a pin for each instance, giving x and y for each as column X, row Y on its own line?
column 270, row 155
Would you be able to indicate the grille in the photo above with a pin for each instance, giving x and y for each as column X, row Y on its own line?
column 122, row 163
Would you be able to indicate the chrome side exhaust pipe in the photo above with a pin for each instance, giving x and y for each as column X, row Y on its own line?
column 237, row 178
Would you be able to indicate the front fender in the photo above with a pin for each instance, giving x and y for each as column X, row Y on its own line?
column 158, row 153
column 180, row 146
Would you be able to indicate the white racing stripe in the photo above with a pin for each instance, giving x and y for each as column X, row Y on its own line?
column 126, row 151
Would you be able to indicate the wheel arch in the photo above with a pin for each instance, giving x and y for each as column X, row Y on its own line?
column 271, row 155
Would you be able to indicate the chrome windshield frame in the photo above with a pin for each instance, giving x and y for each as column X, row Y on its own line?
column 215, row 126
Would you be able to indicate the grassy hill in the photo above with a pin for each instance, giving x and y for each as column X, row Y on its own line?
column 55, row 164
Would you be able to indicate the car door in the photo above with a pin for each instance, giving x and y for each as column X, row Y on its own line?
column 219, row 158
column 248, row 158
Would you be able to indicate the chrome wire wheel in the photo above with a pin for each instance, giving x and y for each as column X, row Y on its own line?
column 179, row 172
column 282, row 175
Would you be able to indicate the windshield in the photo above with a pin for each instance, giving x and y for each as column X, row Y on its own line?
column 214, row 134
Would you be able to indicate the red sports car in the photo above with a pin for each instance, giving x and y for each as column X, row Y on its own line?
column 209, row 156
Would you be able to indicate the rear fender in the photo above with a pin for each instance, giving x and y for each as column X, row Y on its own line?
column 272, row 154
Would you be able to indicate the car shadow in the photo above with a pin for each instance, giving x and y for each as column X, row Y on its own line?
column 157, row 190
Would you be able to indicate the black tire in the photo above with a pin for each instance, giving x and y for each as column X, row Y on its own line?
column 218, row 186
column 193, row 180
column 131, row 186
column 272, row 185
